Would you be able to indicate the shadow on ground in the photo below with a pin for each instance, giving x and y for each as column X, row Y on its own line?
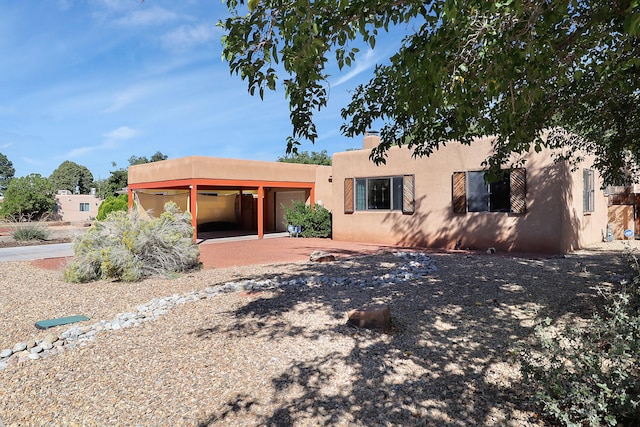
column 448, row 359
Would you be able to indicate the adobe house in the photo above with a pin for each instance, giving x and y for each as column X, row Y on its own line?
column 441, row 201
column 76, row 208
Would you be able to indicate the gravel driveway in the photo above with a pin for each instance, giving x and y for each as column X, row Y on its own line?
column 284, row 355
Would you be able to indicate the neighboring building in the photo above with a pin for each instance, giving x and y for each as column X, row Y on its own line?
column 624, row 203
column 438, row 201
column 76, row 208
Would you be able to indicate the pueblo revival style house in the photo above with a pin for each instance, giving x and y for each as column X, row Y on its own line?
column 441, row 201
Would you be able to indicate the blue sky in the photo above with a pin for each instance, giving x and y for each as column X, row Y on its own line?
column 97, row 81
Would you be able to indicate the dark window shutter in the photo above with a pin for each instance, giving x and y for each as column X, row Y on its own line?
column 518, row 178
column 348, row 195
column 408, row 194
column 459, row 192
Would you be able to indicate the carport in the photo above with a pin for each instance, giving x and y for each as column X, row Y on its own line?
column 223, row 193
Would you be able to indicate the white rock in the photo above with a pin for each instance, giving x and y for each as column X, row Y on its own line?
column 19, row 347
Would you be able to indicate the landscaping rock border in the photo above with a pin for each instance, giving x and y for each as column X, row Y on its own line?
column 413, row 265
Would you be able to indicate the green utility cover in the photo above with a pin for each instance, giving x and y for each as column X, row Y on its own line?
column 46, row 324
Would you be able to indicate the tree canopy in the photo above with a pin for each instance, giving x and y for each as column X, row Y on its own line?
column 315, row 158
column 73, row 177
column 509, row 68
column 30, row 197
column 119, row 177
column 6, row 172
column 156, row 157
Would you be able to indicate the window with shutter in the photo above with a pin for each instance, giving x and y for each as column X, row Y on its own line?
column 394, row 193
column 588, row 190
column 408, row 194
column 518, row 180
column 460, row 192
column 471, row 193
column 348, row 195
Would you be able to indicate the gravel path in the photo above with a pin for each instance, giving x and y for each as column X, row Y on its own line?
column 284, row 355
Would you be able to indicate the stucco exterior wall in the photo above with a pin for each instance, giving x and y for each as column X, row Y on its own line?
column 583, row 229
column 201, row 167
column 68, row 207
column 553, row 222
column 324, row 187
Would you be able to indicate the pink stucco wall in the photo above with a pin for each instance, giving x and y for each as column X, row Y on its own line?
column 553, row 223
column 68, row 207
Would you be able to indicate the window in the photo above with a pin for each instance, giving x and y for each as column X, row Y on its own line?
column 588, row 198
column 389, row 193
column 472, row 194
column 84, row 207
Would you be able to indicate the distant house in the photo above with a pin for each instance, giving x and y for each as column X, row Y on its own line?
column 76, row 208
column 441, row 201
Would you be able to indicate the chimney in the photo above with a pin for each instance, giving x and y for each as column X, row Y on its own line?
column 371, row 140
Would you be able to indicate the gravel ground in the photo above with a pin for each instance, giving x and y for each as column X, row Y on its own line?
column 286, row 356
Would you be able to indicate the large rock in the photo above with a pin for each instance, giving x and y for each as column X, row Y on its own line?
column 374, row 317
column 319, row 256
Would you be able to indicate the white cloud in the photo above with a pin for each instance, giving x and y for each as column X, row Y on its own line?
column 7, row 110
column 363, row 63
column 143, row 17
column 120, row 134
column 31, row 161
column 64, row 4
column 115, row 4
column 79, row 152
column 110, row 140
column 186, row 36
column 125, row 98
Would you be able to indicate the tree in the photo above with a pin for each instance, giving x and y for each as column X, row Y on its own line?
column 6, row 172
column 315, row 158
column 510, row 68
column 156, row 157
column 31, row 196
column 118, row 179
column 73, row 177
column 112, row 204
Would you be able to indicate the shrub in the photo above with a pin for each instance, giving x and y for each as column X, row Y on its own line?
column 112, row 204
column 29, row 231
column 128, row 247
column 315, row 221
column 590, row 375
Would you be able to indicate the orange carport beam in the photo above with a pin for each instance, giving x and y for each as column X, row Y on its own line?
column 193, row 209
column 230, row 183
column 260, row 212
column 129, row 198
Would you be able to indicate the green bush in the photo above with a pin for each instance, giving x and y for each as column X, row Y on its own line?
column 590, row 375
column 315, row 221
column 128, row 247
column 112, row 204
column 29, row 231
column 31, row 197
